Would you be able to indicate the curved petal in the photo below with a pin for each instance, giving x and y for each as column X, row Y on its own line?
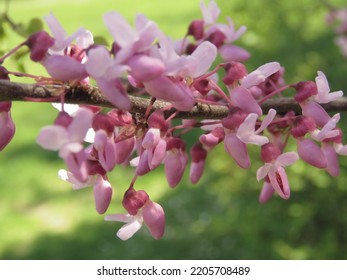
column 52, row 137
column 202, row 59
column 266, row 192
column 311, row 153
column 122, row 33
column 102, row 195
column 128, row 230
column 233, row 53
column 237, row 150
column 332, row 159
column 80, row 125
column 286, row 159
column 263, row 171
column 279, row 182
column 154, row 218
column 259, row 75
column 267, row 120
column 244, row 99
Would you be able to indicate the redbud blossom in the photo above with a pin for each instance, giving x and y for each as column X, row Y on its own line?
column 198, row 154
column 7, row 127
column 102, row 194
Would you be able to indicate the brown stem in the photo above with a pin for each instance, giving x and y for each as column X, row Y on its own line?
column 87, row 95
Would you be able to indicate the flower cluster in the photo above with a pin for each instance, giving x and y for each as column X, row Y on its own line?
column 93, row 140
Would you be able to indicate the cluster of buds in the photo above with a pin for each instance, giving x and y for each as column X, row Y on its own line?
column 93, row 140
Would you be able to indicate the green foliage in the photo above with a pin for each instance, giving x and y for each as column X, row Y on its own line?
column 220, row 218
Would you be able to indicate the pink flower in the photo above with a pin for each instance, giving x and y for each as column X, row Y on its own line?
column 247, row 133
column 260, row 74
column 324, row 95
column 61, row 39
column 129, row 40
column 66, row 140
column 106, row 72
column 7, row 126
column 141, row 209
column 106, row 149
column 274, row 171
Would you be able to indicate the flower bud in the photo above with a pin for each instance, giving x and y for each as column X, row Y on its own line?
column 7, row 126
column 234, row 119
column 304, row 90
column 269, row 152
column 39, row 43
column 302, row 125
column 217, row 38
column 134, row 200
column 198, row 154
column 235, row 71
column 196, row 29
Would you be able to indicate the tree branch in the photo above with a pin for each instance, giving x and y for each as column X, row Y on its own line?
column 87, row 95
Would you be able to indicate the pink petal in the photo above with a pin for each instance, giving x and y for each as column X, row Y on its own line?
column 102, row 195
column 122, row 33
column 332, row 159
column 175, row 164
column 237, row 150
column 128, row 230
column 175, row 92
column 196, row 171
column 143, row 167
column 110, row 88
column 286, row 159
column 154, row 218
column 279, row 182
column 314, row 110
column 233, row 53
column 259, row 75
column 145, row 68
column 99, row 60
column 151, row 138
column 202, row 59
column 124, row 149
column 244, row 99
column 263, row 171
column 7, row 129
column 57, row 30
column 124, row 218
column 266, row 192
column 210, row 13
column 64, row 68
column 311, row 153
column 80, row 124
column 267, row 120
column 52, row 137
column 158, row 155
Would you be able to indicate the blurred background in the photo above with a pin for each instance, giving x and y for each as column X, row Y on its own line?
column 41, row 217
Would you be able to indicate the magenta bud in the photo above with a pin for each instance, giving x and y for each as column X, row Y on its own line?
column 302, row 125
column 234, row 119
column 196, row 29
column 103, row 122
column 5, row 106
column 304, row 90
column 217, row 38
column 235, row 71
column 39, row 43
column 202, row 86
column 269, row 152
column 4, row 73
column 191, row 48
column 157, row 120
column 134, row 200
column 63, row 119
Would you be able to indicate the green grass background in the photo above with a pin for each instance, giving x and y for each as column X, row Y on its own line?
column 219, row 218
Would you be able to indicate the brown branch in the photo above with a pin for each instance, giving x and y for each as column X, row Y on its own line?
column 12, row 91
